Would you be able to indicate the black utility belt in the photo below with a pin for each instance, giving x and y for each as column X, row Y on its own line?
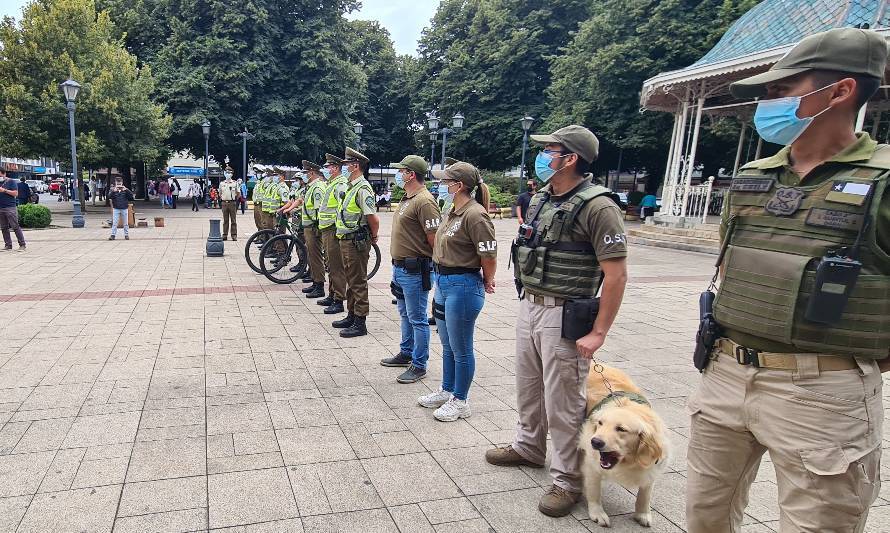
column 449, row 271
column 413, row 264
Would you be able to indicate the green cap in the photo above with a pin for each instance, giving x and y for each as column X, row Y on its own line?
column 846, row 50
column 578, row 139
column 450, row 161
column 460, row 171
column 414, row 163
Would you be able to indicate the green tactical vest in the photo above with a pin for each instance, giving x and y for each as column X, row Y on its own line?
column 310, row 210
column 349, row 218
column 272, row 200
column 557, row 266
column 259, row 190
column 771, row 259
column 327, row 211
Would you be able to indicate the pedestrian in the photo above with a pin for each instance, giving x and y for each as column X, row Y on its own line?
column 524, row 199
column 86, row 191
column 327, row 217
column 356, row 225
column 242, row 188
column 312, row 199
column 276, row 192
column 152, row 191
column 93, row 190
column 9, row 212
column 100, row 188
column 229, row 196
column 120, row 198
column 648, row 205
column 572, row 242
column 414, row 228
column 798, row 370
column 164, row 192
column 194, row 192
column 24, row 195
column 175, row 189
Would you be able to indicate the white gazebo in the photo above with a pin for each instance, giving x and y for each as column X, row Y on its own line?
column 751, row 45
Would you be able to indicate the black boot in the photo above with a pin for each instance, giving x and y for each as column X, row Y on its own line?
column 327, row 301
column 356, row 330
column 307, row 278
column 307, row 290
column 317, row 291
column 344, row 322
column 335, row 308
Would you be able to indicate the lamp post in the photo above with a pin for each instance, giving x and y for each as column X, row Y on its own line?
column 526, row 122
column 457, row 122
column 245, row 135
column 205, row 129
column 69, row 89
column 433, row 137
column 620, row 157
column 358, row 128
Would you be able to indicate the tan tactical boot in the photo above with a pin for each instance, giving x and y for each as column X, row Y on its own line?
column 508, row 457
column 558, row 501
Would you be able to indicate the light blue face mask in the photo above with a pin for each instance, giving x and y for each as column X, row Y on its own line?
column 443, row 191
column 325, row 172
column 305, row 178
column 777, row 122
column 400, row 180
column 344, row 170
column 542, row 166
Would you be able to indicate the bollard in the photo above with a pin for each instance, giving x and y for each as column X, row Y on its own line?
column 215, row 245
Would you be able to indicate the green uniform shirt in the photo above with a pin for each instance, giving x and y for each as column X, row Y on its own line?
column 861, row 150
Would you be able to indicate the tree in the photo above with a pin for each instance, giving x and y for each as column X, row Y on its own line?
column 116, row 118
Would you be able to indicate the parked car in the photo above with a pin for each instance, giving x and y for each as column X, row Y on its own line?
column 37, row 185
column 55, row 186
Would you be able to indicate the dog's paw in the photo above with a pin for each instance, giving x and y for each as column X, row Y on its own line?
column 644, row 519
column 599, row 516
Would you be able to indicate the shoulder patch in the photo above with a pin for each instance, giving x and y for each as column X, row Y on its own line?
column 369, row 202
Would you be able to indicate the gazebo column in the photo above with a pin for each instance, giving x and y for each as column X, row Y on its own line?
column 738, row 151
column 672, row 152
column 690, row 160
column 674, row 169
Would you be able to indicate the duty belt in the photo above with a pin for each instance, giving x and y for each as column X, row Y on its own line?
column 781, row 361
column 448, row 271
column 549, row 301
column 401, row 262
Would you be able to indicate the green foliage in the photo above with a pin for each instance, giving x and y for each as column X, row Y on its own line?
column 500, row 180
column 500, row 197
column 34, row 216
column 116, row 119
column 635, row 197
column 397, row 194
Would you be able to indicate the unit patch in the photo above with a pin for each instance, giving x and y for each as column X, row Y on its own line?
column 849, row 192
column 786, row 201
column 752, row 184
column 831, row 218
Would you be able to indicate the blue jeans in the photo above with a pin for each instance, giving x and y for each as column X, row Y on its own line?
column 415, row 328
column 117, row 214
column 463, row 296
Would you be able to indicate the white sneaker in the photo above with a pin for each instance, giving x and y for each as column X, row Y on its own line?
column 452, row 410
column 434, row 399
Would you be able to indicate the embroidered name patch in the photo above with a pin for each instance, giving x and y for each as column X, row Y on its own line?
column 831, row 218
column 752, row 184
column 786, row 201
column 848, row 192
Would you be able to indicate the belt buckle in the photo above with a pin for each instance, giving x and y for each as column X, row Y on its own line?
column 747, row 356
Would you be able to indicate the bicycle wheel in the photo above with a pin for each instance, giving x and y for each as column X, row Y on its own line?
column 283, row 259
column 252, row 248
column 375, row 260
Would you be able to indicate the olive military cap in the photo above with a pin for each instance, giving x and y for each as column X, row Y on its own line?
column 460, row 171
column 414, row 163
column 309, row 165
column 450, row 161
column 846, row 50
column 331, row 159
column 355, row 155
column 577, row 139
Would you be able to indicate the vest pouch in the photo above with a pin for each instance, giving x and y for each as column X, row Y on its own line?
column 578, row 317
column 759, row 292
column 529, row 258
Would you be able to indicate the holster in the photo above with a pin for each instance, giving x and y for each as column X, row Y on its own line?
column 578, row 317
column 362, row 240
column 438, row 310
column 396, row 290
column 708, row 331
column 426, row 269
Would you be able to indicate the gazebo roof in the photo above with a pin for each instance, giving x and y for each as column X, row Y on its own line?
column 757, row 40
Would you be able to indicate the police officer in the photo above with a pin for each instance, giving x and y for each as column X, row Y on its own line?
column 229, row 194
column 803, row 301
column 327, row 218
column 277, row 192
column 357, row 225
column 414, row 228
column 313, row 196
column 269, row 182
column 574, row 231
column 258, row 201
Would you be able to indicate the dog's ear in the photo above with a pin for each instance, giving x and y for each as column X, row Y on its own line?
column 649, row 448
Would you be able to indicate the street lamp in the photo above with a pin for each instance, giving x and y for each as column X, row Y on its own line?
column 245, row 135
column 358, row 128
column 526, row 122
column 205, row 129
column 433, row 137
column 70, row 89
column 457, row 122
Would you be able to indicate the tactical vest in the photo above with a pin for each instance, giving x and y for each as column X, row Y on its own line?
column 552, row 264
column 272, row 201
column 259, row 190
column 310, row 210
column 327, row 211
column 776, row 237
column 349, row 218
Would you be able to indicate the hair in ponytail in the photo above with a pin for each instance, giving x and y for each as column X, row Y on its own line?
column 483, row 195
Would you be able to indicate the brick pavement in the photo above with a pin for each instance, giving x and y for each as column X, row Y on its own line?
column 145, row 387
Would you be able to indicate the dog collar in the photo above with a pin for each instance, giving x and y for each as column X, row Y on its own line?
column 614, row 397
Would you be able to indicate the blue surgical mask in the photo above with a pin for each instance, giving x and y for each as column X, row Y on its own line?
column 542, row 166
column 305, row 178
column 325, row 172
column 400, row 180
column 345, row 170
column 777, row 122
column 443, row 191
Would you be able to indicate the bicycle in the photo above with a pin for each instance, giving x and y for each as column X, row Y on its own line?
column 254, row 244
column 374, row 259
column 284, row 258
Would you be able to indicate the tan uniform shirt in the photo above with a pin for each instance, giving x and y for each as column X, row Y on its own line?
column 601, row 223
column 417, row 216
column 228, row 190
column 465, row 235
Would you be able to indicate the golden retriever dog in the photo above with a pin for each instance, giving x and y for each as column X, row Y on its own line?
column 622, row 440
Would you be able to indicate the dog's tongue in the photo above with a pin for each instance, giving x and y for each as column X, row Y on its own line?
column 608, row 460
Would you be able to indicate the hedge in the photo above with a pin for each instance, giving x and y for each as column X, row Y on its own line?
column 34, row 216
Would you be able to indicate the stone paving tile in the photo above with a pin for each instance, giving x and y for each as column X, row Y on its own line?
column 102, row 429
column 151, row 497
column 21, row 474
column 332, row 487
column 313, row 445
column 90, row 509
column 169, row 522
column 246, row 497
column 11, row 512
column 388, row 474
column 377, row 520
column 170, row 458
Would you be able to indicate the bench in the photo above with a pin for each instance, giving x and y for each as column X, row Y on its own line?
column 494, row 210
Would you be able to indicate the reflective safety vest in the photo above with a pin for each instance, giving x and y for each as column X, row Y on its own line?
column 274, row 196
column 775, row 239
column 311, row 199
column 327, row 211
column 259, row 190
column 350, row 217
column 550, row 263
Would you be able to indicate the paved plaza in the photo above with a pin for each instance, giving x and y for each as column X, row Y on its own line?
column 146, row 387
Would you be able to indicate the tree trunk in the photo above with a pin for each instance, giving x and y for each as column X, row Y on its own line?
column 141, row 192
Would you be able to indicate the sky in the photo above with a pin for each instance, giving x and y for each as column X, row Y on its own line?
column 403, row 18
